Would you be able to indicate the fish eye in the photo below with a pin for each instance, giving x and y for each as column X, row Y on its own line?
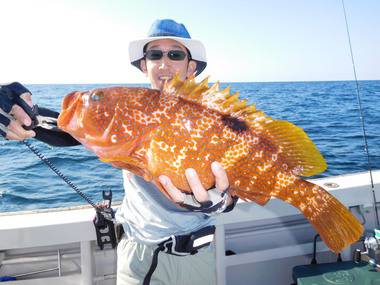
column 97, row 96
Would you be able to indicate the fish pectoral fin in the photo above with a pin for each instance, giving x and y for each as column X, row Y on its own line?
column 135, row 166
column 253, row 196
column 261, row 199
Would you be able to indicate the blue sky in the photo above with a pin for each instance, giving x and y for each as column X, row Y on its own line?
column 275, row 40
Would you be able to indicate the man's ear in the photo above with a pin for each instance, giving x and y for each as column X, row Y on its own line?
column 191, row 68
column 143, row 66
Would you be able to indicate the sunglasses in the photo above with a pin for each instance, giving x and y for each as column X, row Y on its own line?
column 156, row 54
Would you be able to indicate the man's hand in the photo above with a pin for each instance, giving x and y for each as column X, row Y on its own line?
column 209, row 202
column 12, row 116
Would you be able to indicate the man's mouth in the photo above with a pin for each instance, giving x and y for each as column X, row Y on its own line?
column 165, row 77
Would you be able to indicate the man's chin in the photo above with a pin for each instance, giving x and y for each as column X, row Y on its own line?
column 161, row 83
column 158, row 85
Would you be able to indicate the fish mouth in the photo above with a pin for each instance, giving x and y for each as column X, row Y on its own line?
column 68, row 100
column 69, row 108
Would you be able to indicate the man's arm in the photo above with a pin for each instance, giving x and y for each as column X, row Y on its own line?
column 13, row 118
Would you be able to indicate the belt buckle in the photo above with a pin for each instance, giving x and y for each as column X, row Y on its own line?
column 188, row 244
column 200, row 239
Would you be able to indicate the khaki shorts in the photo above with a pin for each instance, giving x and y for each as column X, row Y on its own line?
column 134, row 260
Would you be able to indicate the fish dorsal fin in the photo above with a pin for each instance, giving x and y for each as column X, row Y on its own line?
column 300, row 152
column 213, row 98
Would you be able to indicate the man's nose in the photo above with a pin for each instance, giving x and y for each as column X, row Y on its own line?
column 164, row 62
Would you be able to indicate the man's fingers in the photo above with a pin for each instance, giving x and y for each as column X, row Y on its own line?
column 17, row 132
column 27, row 97
column 176, row 195
column 12, row 136
column 13, row 132
column 199, row 192
column 15, row 127
column 19, row 114
column 12, row 128
column 221, row 179
column 196, row 186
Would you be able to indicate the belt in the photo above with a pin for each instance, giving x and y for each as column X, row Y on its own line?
column 181, row 245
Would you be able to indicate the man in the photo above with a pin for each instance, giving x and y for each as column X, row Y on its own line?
column 151, row 222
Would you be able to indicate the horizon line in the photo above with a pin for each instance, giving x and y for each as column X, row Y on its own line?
column 211, row 82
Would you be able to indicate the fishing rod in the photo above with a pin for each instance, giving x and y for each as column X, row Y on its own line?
column 361, row 114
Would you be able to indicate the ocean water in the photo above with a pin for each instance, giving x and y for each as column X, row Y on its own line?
column 327, row 111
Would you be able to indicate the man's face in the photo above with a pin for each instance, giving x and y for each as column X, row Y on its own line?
column 160, row 70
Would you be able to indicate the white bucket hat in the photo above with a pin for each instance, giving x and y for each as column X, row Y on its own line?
column 169, row 29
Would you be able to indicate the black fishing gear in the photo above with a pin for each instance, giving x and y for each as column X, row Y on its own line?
column 104, row 222
column 9, row 96
column 44, row 124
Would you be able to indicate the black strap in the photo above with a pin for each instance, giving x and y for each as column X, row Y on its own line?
column 54, row 138
column 232, row 205
column 216, row 204
column 180, row 246
column 153, row 265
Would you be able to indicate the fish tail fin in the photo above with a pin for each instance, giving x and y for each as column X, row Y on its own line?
column 336, row 225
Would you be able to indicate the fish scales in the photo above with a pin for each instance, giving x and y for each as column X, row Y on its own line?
column 190, row 125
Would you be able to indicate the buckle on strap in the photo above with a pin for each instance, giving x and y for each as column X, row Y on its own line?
column 181, row 246
column 104, row 224
column 188, row 244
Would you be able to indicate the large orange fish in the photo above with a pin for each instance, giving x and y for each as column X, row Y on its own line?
column 191, row 125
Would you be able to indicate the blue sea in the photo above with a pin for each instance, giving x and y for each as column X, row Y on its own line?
column 327, row 111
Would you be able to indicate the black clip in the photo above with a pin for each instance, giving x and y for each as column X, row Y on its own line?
column 103, row 221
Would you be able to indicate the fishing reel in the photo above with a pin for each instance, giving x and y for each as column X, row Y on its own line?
column 371, row 255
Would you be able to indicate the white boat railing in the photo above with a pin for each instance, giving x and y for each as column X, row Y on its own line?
column 256, row 234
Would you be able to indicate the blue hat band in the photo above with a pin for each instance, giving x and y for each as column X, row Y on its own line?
column 166, row 34
column 168, row 28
